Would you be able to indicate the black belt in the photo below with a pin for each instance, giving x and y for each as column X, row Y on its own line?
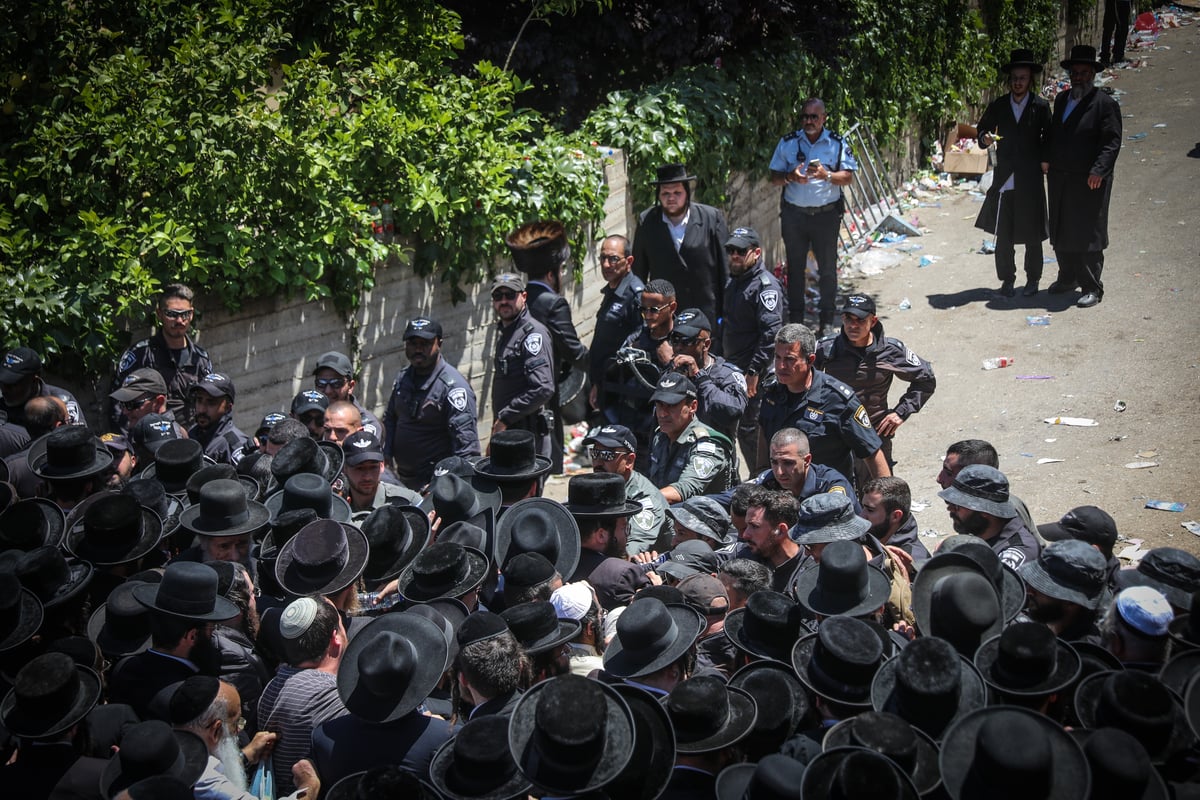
column 814, row 210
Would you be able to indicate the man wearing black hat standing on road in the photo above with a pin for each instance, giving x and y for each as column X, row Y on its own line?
column 523, row 383
column 683, row 242
column 431, row 413
column 1085, row 140
column 212, row 399
column 1015, row 207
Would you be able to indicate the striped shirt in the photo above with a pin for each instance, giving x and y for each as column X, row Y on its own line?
column 292, row 704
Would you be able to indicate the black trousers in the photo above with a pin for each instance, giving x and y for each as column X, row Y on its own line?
column 817, row 232
column 1082, row 267
column 747, row 436
column 1116, row 29
column 1006, row 256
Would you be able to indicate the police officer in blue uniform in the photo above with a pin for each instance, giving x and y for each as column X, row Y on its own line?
column 824, row 408
column 620, row 314
column 212, row 399
column 524, row 379
column 170, row 351
column 21, row 381
column 431, row 414
column 333, row 376
column 720, row 386
column 755, row 309
column 812, row 165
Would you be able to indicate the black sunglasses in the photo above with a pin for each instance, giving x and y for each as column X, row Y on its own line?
column 504, row 295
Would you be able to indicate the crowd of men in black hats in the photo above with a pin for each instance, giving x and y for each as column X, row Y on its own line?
column 342, row 606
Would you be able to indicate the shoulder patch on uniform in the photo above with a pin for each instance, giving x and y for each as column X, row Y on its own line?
column 837, row 137
column 142, row 343
column 708, row 447
column 533, row 343
column 813, row 414
column 127, row 360
column 843, row 389
column 739, row 379
column 705, row 466
column 764, row 280
column 861, row 417
column 1014, row 557
column 370, row 428
column 769, row 299
column 912, row 357
column 836, row 490
column 645, row 518
column 458, row 398
column 616, row 307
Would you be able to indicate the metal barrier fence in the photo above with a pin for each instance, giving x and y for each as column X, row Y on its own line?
column 870, row 197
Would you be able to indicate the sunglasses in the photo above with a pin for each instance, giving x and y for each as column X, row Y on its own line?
column 679, row 338
column 648, row 310
column 504, row 295
column 810, row 116
column 171, row 313
column 606, row 455
column 134, row 405
column 737, row 251
column 330, row 383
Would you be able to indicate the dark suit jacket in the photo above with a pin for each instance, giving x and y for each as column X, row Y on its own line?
column 81, row 781
column 1019, row 154
column 698, row 270
column 1085, row 143
column 38, row 768
column 552, row 310
column 137, row 678
column 351, row 744
column 688, row 784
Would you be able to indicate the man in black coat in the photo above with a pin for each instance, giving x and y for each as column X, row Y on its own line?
column 1085, row 140
column 1015, row 208
column 683, row 242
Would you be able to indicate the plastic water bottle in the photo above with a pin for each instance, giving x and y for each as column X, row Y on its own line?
column 998, row 362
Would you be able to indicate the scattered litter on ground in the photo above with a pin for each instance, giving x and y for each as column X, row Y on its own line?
column 1160, row 125
column 1191, row 526
column 1050, row 460
column 1035, row 378
column 1147, row 454
column 1075, row 422
column 1038, row 320
column 874, row 261
column 1051, row 440
column 905, row 304
column 918, row 505
column 1137, row 137
column 1118, row 438
column 1141, row 464
column 988, row 247
column 1133, row 553
column 1119, row 406
column 1165, row 505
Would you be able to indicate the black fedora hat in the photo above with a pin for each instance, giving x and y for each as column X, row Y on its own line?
column 982, row 558
column 304, row 455
column 121, row 625
column 1008, row 751
column 283, row 528
column 50, row 694
column 887, row 734
column 174, row 462
column 32, row 522
column 781, row 700
column 449, row 615
column 308, row 490
column 537, row 626
column 224, row 510
column 651, row 763
column 391, row 666
column 1138, row 703
column 68, row 451
column 395, row 534
column 1184, row 630
column 477, row 764
column 1082, row 54
column 115, row 529
column 1179, row 670
column 856, row 773
column 767, row 626
column 709, row 715
column 840, row 661
column 962, row 608
column 443, row 569
column 774, row 777
column 929, row 685
column 151, row 749
column 672, row 173
column 842, row 583
column 214, row 472
column 571, row 735
column 323, row 558
column 153, row 495
column 1121, row 767
column 187, row 590
column 1022, row 57
column 538, row 247
column 20, row 612
column 539, row 525
column 458, row 498
column 599, row 494
column 469, row 535
column 651, row 635
column 1027, row 660
column 53, row 577
column 512, row 458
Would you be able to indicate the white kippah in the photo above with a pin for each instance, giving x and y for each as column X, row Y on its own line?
column 1145, row 609
column 296, row 618
column 572, row 600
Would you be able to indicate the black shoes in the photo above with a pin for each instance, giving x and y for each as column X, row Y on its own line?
column 1031, row 288
column 1006, row 289
column 1062, row 288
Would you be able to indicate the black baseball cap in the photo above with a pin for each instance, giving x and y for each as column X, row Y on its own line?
column 338, row 362
column 361, row 446
column 269, row 422
column 140, row 382
column 423, row 328
column 859, row 305
column 215, row 385
column 742, row 237
column 673, row 388
column 18, row 364
column 509, row 280
column 152, row 430
column 1085, row 523
column 612, row 436
column 309, row 400
column 689, row 323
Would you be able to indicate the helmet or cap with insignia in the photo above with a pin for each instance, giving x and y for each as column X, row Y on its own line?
column 673, row 388
column 859, row 305
column 743, row 237
column 423, row 328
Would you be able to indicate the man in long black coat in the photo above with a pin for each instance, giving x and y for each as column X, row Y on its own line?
column 1015, row 208
column 683, row 242
column 1085, row 140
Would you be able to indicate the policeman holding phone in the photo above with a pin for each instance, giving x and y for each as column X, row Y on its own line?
column 812, row 165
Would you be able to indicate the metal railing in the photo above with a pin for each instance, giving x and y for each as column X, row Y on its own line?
column 870, row 197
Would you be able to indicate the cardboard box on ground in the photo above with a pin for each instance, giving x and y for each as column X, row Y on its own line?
column 962, row 153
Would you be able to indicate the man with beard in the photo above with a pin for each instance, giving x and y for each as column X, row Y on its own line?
column 964, row 453
column 334, row 377
column 887, row 505
column 184, row 608
column 366, row 487
column 598, row 503
column 523, row 382
column 432, row 410
column 237, row 638
column 223, row 500
column 978, row 504
column 1085, row 140
column 308, row 408
column 620, row 315
column 21, row 381
column 1066, row 588
column 212, row 399
column 769, row 517
column 613, row 449
column 214, row 713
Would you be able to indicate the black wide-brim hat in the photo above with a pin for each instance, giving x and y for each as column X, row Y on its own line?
column 41, row 719
column 188, row 766
column 188, row 590
column 1090, row 695
column 1115, row 764
column 1067, row 666
column 1070, row 777
column 487, row 773
column 54, row 578
column 769, row 680
column 776, row 776
column 1082, row 54
column 23, row 617
column 665, row 639
column 1022, row 57
column 87, row 456
column 923, row 767
column 944, row 565
column 672, row 173
column 301, row 579
column 836, row 687
column 539, row 524
column 120, row 634
column 742, row 713
column 573, row 772
column 102, row 554
column 224, row 510
column 513, row 458
column 460, row 575
column 820, row 600
column 859, row 763
column 970, row 553
column 767, row 626
column 388, row 522
column 652, row 762
column 1179, row 670
column 599, row 494
column 339, row 509
column 463, row 498
column 972, row 693
column 32, row 522
column 391, row 666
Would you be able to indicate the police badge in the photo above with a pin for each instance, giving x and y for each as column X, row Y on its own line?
column 533, row 343
column 769, row 299
column 458, row 397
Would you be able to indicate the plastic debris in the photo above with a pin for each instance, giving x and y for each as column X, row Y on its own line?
column 1133, row 553
column 1038, row 320
column 1141, row 464
column 1161, row 125
column 988, row 247
column 905, row 304
column 1119, row 406
column 1137, row 137
column 894, row 224
column 875, row 261
column 1035, row 377
column 1165, row 505
column 1074, row 422
column 1191, row 526
column 1050, row 460
column 925, row 261
column 1051, row 440
column 998, row 362
column 1147, row 454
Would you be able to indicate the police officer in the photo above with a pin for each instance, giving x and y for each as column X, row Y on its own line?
column 755, row 309
column 171, row 351
column 613, row 448
column 978, row 504
column 21, row 381
column 865, row 360
column 212, row 398
column 309, row 407
column 793, row 471
column 431, row 414
column 539, row 249
column 620, row 314
column 687, row 457
column 823, row 407
column 720, row 386
column 524, row 379
column 658, row 307
column 334, row 377
column 367, row 484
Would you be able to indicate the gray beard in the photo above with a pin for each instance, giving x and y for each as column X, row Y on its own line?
column 230, row 757
column 1078, row 90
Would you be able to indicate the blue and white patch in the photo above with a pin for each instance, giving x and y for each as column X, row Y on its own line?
column 861, row 417
column 705, row 466
column 458, row 397
column 615, row 308
column 128, row 358
column 740, row 380
column 813, row 414
column 769, row 299
column 533, row 343
column 708, row 448
column 74, row 415
column 370, row 428
column 912, row 357
column 1013, row 557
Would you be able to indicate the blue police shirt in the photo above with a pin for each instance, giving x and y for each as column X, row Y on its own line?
column 795, row 149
